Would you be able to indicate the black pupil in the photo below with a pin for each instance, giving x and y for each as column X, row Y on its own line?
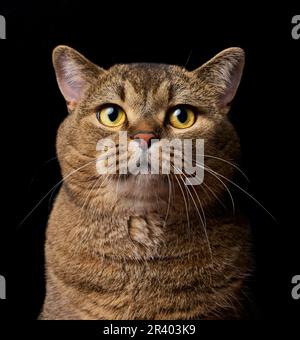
column 181, row 115
column 113, row 113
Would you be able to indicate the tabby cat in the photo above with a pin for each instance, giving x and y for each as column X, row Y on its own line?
column 146, row 246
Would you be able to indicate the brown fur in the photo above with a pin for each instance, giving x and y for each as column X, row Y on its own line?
column 111, row 251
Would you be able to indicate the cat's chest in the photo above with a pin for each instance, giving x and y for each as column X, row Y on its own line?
column 145, row 230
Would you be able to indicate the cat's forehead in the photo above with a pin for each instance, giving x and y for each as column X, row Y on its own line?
column 148, row 76
column 141, row 85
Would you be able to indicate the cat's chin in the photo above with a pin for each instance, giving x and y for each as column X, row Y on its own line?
column 143, row 185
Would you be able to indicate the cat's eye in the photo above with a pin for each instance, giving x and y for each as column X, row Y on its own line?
column 111, row 116
column 182, row 117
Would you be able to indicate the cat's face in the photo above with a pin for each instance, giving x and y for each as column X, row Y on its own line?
column 147, row 101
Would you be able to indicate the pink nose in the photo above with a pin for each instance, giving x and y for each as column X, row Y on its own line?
column 145, row 138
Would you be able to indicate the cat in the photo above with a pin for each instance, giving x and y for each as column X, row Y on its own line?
column 146, row 246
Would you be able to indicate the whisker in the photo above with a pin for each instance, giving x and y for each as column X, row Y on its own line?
column 228, row 162
column 225, row 161
column 216, row 174
column 225, row 186
column 245, row 192
column 90, row 191
column 202, row 219
column 169, row 201
column 109, row 178
column 54, row 187
column 185, row 204
column 214, row 194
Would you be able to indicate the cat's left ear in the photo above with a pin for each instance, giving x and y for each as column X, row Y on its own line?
column 221, row 76
column 74, row 73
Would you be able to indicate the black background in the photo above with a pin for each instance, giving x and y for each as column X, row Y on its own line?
column 265, row 114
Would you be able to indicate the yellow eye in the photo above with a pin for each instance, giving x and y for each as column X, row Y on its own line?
column 111, row 116
column 182, row 117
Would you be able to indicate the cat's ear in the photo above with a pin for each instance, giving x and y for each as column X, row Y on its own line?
column 221, row 75
column 73, row 73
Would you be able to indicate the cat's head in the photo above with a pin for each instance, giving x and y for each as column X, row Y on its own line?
column 147, row 101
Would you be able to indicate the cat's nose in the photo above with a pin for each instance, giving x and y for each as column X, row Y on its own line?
column 145, row 138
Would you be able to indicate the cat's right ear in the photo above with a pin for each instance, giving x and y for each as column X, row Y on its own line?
column 74, row 73
column 221, row 76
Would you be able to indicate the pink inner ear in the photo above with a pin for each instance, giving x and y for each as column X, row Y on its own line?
column 232, row 85
column 71, row 90
column 227, row 97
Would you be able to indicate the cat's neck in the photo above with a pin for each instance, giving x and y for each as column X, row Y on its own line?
column 137, row 232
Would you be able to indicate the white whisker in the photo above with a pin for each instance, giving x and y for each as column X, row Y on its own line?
column 54, row 187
